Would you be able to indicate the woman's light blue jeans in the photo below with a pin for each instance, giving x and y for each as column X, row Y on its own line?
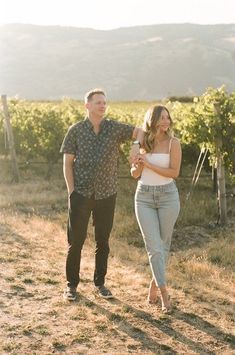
column 157, row 209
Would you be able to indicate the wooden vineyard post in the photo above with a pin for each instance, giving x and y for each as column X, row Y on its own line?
column 221, row 184
column 221, row 192
column 10, row 138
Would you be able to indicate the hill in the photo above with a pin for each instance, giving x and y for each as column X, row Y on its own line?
column 141, row 63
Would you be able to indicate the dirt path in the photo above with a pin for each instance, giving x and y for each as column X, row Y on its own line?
column 36, row 320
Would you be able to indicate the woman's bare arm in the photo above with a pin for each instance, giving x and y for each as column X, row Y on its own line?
column 175, row 161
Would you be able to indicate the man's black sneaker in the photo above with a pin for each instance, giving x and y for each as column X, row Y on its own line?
column 70, row 294
column 104, row 292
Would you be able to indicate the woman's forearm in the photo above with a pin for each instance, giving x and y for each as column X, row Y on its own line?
column 167, row 172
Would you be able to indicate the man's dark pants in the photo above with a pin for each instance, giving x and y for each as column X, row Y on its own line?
column 79, row 214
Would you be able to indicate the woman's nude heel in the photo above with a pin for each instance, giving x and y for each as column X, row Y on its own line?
column 152, row 299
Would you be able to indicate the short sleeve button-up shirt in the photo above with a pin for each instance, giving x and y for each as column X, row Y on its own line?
column 96, row 155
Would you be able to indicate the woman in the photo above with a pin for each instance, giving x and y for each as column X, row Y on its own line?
column 156, row 200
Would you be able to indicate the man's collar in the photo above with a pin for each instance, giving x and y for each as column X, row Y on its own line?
column 90, row 125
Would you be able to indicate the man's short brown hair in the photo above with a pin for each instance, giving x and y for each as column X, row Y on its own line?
column 91, row 93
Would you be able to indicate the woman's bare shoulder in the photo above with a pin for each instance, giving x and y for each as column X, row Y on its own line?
column 175, row 141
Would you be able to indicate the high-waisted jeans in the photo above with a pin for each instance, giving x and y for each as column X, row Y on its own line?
column 157, row 209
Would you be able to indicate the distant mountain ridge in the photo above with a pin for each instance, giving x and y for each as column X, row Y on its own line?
column 132, row 63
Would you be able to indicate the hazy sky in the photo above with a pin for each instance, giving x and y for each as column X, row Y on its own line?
column 109, row 14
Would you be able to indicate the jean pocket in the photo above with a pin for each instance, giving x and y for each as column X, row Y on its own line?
column 143, row 195
column 72, row 195
column 73, row 200
column 171, row 195
column 142, row 188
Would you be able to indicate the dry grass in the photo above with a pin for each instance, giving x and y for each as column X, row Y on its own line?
column 36, row 320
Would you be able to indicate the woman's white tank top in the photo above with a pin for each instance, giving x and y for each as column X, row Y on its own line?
column 148, row 176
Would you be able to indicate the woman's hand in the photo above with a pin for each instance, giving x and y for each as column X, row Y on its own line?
column 136, row 168
column 142, row 159
column 136, row 161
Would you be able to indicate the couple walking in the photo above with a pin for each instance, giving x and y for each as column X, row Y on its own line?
column 91, row 150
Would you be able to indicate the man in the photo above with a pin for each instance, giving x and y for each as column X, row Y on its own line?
column 91, row 149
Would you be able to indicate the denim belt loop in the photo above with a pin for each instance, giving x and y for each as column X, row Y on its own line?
column 157, row 188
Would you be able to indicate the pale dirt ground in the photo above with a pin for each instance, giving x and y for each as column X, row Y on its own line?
column 36, row 320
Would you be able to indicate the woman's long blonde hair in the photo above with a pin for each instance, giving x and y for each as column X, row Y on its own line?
column 151, row 124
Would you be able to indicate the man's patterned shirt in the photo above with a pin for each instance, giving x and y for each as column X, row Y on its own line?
column 96, row 156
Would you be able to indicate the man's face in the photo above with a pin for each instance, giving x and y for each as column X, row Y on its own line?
column 97, row 105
